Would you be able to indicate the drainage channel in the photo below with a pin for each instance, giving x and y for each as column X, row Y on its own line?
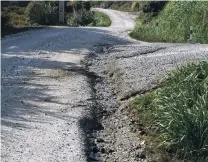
column 110, row 137
column 102, row 104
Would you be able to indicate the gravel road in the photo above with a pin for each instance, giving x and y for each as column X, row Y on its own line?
column 55, row 108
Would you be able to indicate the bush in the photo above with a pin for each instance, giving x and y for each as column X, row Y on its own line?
column 84, row 17
column 81, row 18
column 42, row 13
column 13, row 16
column 17, row 20
column 88, row 18
column 180, row 110
column 100, row 19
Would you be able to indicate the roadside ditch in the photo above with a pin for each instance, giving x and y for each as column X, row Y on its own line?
column 110, row 132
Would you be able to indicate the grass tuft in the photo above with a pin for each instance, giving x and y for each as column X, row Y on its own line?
column 179, row 110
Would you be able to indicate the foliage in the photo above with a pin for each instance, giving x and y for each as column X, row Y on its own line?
column 17, row 20
column 12, row 17
column 100, row 19
column 42, row 13
column 78, row 13
column 179, row 109
column 76, row 6
column 174, row 23
column 154, row 6
column 88, row 18
column 81, row 18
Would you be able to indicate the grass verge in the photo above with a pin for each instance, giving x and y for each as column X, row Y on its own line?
column 176, row 115
column 174, row 23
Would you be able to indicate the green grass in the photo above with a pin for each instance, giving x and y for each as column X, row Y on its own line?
column 100, row 20
column 174, row 23
column 176, row 114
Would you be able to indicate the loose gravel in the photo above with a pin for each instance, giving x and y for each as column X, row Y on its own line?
column 128, row 70
column 65, row 91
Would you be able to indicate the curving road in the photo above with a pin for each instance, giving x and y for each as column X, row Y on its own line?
column 47, row 92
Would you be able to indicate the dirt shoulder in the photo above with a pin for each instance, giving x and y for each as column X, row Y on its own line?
column 125, row 71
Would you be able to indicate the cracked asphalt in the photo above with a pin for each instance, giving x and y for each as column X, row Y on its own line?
column 47, row 91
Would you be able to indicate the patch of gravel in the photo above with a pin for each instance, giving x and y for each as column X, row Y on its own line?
column 139, row 70
column 117, row 141
column 125, row 71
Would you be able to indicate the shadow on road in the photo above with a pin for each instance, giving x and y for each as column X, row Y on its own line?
column 24, row 56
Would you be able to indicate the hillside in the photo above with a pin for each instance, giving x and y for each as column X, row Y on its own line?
column 174, row 23
column 20, row 16
column 174, row 19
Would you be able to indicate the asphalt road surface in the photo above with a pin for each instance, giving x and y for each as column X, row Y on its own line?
column 47, row 92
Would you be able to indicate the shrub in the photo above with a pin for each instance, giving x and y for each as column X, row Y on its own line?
column 81, row 18
column 84, row 17
column 100, row 19
column 180, row 110
column 17, row 20
column 42, row 13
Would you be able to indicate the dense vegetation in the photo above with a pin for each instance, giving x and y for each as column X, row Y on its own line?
column 176, row 114
column 23, row 15
column 42, row 13
column 174, row 19
column 174, row 22
column 79, row 14
column 12, row 16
